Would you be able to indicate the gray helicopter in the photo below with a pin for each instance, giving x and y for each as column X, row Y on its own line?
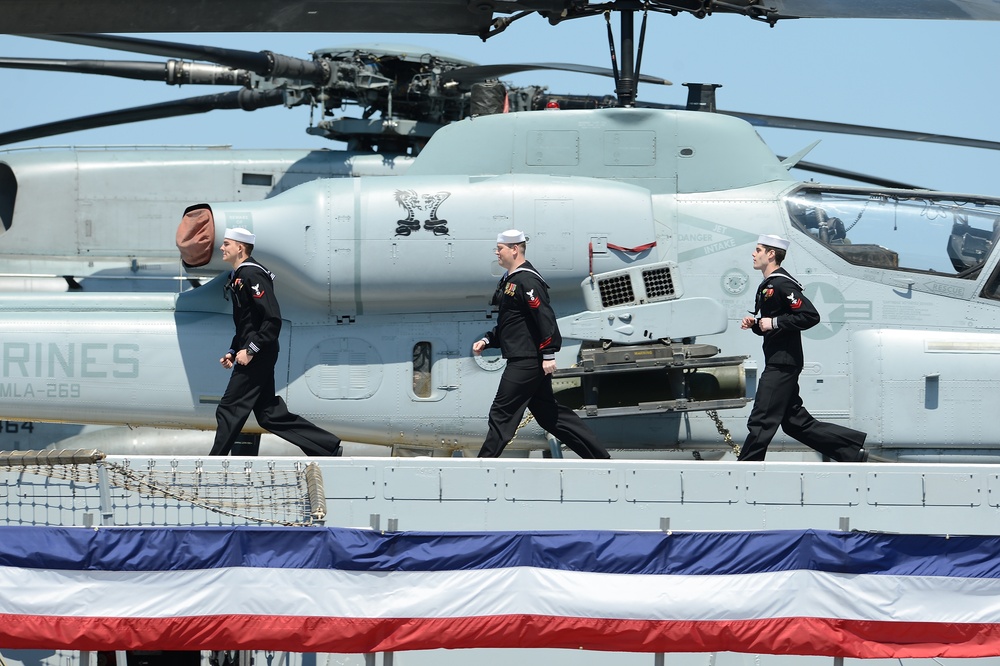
column 377, row 342
column 672, row 408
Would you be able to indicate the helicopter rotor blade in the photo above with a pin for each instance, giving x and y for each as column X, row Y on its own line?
column 785, row 122
column 237, row 58
column 878, row 181
column 469, row 75
column 591, row 102
column 174, row 72
column 248, row 100
column 263, row 63
column 781, row 122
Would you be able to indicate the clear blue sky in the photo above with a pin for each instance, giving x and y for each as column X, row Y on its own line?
column 925, row 76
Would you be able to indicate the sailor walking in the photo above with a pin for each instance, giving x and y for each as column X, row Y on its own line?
column 252, row 356
column 528, row 336
column 781, row 313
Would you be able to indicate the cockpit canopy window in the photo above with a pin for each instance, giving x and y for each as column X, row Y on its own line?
column 942, row 235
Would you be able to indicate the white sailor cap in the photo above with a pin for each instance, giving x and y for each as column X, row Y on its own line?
column 511, row 236
column 770, row 240
column 242, row 235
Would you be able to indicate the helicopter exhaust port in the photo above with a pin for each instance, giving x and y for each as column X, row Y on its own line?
column 658, row 377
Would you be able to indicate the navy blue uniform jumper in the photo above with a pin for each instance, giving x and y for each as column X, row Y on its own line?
column 526, row 333
column 777, row 402
column 257, row 319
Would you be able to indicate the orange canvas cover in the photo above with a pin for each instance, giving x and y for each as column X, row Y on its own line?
column 196, row 236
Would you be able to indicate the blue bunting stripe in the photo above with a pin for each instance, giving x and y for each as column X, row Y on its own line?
column 806, row 593
column 679, row 553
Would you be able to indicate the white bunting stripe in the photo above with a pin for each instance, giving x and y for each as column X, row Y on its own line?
column 492, row 592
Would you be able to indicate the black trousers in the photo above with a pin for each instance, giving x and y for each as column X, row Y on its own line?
column 522, row 386
column 251, row 389
column 778, row 404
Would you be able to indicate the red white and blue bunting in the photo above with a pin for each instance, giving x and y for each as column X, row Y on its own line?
column 340, row 590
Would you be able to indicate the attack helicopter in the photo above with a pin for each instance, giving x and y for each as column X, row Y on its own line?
column 671, row 420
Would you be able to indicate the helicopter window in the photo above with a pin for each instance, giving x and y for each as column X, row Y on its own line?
column 8, row 193
column 992, row 288
column 262, row 179
column 422, row 369
column 943, row 235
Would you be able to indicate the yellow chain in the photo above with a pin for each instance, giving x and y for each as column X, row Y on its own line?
column 724, row 431
column 525, row 421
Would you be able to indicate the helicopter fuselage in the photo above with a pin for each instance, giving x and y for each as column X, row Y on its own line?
column 642, row 222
